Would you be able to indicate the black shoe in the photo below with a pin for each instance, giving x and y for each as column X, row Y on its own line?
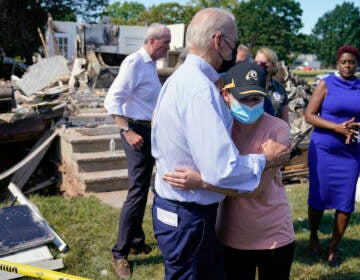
column 314, row 247
column 333, row 259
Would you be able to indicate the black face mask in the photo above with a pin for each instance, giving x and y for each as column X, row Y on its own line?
column 227, row 64
column 263, row 65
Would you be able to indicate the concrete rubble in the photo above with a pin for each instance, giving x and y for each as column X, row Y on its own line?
column 42, row 74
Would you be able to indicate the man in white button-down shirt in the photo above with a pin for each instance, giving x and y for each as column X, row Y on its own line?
column 191, row 129
column 131, row 100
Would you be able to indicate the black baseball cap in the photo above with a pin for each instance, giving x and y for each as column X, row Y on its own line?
column 245, row 79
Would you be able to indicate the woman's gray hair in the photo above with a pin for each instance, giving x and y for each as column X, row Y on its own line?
column 205, row 24
column 155, row 30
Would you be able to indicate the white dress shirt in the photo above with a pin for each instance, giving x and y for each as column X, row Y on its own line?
column 135, row 90
column 191, row 128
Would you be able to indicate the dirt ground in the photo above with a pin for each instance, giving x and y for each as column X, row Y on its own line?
column 299, row 157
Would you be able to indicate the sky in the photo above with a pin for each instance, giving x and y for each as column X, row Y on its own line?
column 312, row 9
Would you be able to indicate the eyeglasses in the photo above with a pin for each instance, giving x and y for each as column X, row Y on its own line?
column 235, row 42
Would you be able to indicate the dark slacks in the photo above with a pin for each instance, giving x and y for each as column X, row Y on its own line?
column 271, row 264
column 140, row 167
column 190, row 248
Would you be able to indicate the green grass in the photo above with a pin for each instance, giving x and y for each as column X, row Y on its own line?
column 90, row 229
column 306, row 268
column 309, row 75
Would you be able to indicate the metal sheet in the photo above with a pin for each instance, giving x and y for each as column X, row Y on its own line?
column 20, row 229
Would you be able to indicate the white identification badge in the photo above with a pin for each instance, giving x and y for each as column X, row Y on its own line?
column 167, row 217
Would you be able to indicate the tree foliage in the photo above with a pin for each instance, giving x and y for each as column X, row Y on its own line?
column 87, row 10
column 134, row 13
column 225, row 4
column 274, row 23
column 18, row 27
column 340, row 26
column 19, row 20
column 169, row 13
column 127, row 13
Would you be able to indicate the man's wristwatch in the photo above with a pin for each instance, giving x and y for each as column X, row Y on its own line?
column 125, row 128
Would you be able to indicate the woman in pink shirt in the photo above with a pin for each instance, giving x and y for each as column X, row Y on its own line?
column 255, row 228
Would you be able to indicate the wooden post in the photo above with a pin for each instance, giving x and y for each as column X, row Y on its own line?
column 46, row 50
column 82, row 41
column 51, row 28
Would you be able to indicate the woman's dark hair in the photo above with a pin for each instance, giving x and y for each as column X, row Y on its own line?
column 347, row 49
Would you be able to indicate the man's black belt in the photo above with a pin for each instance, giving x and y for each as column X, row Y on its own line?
column 139, row 122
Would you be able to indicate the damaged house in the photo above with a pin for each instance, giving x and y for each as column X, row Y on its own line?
column 112, row 43
column 81, row 61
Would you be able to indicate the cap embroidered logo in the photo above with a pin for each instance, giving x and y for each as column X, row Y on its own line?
column 251, row 75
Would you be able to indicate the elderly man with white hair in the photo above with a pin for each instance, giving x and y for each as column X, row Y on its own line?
column 131, row 100
column 191, row 129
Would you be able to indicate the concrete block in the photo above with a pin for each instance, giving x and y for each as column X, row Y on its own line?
column 99, row 161
column 101, row 181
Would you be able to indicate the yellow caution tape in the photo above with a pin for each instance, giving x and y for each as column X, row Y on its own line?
column 37, row 272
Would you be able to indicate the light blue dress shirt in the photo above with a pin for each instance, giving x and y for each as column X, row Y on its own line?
column 192, row 128
column 135, row 89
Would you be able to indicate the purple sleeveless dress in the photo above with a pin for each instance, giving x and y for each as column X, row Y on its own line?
column 334, row 166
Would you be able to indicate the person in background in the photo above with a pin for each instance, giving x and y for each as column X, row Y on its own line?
column 276, row 91
column 131, row 100
column 255, row 228
column 243, row 54
column 191, row 128
column 334, row 152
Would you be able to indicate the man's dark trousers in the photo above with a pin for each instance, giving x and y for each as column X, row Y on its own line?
column 190, row 248
column 140, row 167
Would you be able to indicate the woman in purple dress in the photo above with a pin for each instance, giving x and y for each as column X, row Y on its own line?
column 334, row 152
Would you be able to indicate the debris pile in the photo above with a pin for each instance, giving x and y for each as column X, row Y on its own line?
column 32, row 107
column 299, row 94
column 49, row 91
